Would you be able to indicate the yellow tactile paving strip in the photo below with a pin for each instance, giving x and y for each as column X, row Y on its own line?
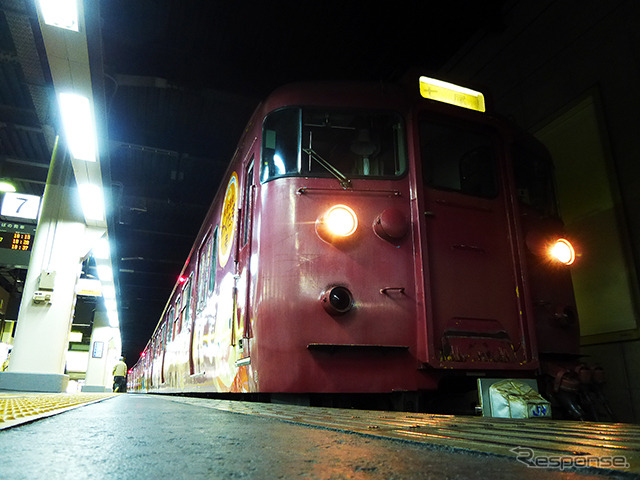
column 18, row 408
column 600, row 446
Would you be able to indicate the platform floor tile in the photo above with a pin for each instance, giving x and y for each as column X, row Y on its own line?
column 18, row 408
column 603, row 447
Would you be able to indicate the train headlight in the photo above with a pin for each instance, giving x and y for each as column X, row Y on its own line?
column 562, row 251
column 341, row 220
column 337, row 223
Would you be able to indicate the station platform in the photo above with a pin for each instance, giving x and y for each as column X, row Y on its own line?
column 136, row 436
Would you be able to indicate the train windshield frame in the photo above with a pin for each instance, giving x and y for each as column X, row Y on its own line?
column 534, row 177
column 340, row 143
column 460, row 157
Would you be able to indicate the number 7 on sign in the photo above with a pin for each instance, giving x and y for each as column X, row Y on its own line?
column 20, row 205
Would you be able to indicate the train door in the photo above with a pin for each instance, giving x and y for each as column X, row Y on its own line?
column 244, row 264
column 474, row 316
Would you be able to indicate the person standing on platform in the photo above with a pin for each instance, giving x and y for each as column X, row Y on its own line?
column 5, row 365
column 120, row 376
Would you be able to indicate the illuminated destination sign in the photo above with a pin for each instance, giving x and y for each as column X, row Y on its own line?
column 16, row 241
column 445, row 92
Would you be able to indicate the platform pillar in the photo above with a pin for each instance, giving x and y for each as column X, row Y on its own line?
column 104, row 353
column 42, row 331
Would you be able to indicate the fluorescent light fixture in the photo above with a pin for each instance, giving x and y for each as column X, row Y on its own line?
column 89, row 287
column 60, row 13
column 19, row 205
column 6, row 187
column 105, row 273
column 78, row 125
column 75, row 336
column 113, row 319
column 101, row 249
column 111, row 305
column 77, row 361
column 108, row 291
column 92, row 201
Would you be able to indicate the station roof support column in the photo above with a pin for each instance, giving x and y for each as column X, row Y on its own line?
column 104, row 353
column 46, row 310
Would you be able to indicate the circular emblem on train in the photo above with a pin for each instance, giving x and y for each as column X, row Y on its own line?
column 228, row 220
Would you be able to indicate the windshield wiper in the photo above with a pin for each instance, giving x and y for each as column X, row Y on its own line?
column 344, row 181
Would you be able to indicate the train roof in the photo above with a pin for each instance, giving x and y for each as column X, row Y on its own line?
column 337, row 94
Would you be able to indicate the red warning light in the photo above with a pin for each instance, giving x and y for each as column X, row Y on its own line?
column 182, row 279
column 143, row 354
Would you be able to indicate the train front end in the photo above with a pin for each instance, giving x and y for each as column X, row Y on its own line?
column 391, row 251
column 336, row 296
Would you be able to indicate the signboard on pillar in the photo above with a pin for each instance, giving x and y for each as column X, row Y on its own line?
column 19, row 205
column 16, row 240
column 19, row 213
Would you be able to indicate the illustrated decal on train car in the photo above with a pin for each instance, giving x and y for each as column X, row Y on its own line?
column 228, row 222
column 390, row 242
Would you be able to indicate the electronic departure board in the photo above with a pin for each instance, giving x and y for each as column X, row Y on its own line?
column 16, row 241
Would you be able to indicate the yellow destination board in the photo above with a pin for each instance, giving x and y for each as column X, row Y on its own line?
column 452, row 94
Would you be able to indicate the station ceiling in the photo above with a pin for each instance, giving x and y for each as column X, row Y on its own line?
column 176, row 81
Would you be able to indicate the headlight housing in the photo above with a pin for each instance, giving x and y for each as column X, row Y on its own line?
column 554, row 249
column 562, row 251
column 338, row 223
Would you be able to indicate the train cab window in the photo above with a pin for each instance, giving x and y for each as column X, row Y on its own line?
column 280, row 144
column 342, row 143
column 357, row 144
column 533, row 171
column 458, row 159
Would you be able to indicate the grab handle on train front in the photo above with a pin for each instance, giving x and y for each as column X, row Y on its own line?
column 387, row 290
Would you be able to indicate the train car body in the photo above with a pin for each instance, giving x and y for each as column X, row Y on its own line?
column 369, row 240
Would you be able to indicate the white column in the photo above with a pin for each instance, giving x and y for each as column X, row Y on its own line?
column 103, row 354
column 42, row 332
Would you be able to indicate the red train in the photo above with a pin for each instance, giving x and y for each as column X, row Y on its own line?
column 372, row 239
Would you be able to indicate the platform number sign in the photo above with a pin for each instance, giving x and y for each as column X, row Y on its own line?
column 18, row 205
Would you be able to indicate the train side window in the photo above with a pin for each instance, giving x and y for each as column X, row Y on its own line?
column 170, row 326
column 213, row 260
column 168, row 323
column 280, row 144
column 247, row 204
column 185, row 314
column 458, row 159
column 177, row 318
column 203, row 273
